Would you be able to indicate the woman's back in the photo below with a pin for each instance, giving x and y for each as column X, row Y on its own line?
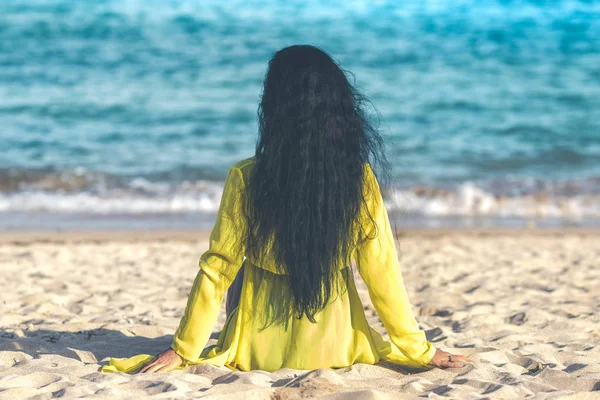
column 245, row 168
column 340, row 335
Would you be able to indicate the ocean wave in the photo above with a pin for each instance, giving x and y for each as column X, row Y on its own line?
column 105, row 194
column 471, row 200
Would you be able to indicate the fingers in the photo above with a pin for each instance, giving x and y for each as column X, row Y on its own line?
column 461, row 358
column 166, row 368
column 159, row 365
column 450, row 364
column 453, row 364
column 147, row 367
column 153, row 367
column 443, row 359
column 458, row 361
column 144, row 368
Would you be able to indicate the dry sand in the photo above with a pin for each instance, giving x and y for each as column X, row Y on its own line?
column 523, row 305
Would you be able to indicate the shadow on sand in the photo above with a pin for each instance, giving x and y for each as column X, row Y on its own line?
column 98, row 345
column 88, row 346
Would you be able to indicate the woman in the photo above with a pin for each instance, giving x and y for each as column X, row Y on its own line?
column 291, row 221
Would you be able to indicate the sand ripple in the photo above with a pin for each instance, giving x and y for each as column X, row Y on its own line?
column 523, row 306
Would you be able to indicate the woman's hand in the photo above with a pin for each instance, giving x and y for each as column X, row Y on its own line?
column 442, row 359
column 166, row 361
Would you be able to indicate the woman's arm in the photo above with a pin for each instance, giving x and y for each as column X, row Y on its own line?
column 378, row 265
column 219, row 266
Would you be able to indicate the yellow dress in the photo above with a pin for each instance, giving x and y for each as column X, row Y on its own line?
column 341, row 335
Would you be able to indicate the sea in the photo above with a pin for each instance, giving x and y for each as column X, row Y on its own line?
column 127, row 114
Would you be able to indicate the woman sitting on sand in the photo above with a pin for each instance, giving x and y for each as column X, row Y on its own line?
column 291, row 221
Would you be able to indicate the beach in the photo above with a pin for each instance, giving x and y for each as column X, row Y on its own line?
column 121, row 121
column 523, row 304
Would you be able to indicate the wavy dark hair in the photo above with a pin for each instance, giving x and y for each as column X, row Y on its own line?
column 306, row 188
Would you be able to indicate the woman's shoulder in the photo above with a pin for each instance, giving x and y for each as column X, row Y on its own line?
column 245, row 165
column 242, row 168
column 245, row 162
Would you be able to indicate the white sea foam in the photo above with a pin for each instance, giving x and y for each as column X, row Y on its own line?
column 469, row 200
column 143, row 197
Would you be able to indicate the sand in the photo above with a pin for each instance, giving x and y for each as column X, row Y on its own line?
column 524, row 305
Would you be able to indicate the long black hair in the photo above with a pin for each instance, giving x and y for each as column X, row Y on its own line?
column 306, row 188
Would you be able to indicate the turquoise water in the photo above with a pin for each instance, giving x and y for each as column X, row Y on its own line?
column 490, row 108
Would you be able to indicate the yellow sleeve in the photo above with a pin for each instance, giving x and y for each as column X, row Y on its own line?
column 219, row 266
column 378, row 265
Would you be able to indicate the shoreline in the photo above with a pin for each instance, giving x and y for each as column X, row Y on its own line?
column 55, row 236
column 193, row 222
